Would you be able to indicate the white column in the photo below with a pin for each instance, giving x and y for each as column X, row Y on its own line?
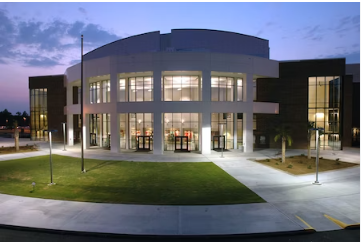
column 157, row 134
column 127, row 131
column 157, row 123
column 70, row 129
column 114, row 116
column 248, row 115
column 235, row 145
column 206, row 115
column 114, row 133
column 69, row 116
column 101, row 130
column 86, row 132
column 206, row 132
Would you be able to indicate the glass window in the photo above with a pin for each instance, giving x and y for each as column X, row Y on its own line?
column 121, row 94
column 222, row 89
column 140, row 89
column 38, row 114
column 323, row 108
column 239, row 90
column 180, row 88
column 106, row 91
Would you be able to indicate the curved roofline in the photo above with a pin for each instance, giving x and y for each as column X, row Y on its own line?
column 120, row 40
column 226, row 32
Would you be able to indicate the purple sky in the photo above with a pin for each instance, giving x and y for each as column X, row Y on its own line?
column 44, row 38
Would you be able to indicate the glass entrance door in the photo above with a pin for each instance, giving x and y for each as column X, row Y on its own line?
column 219, row 142
column 143, row 143
column 181, row 143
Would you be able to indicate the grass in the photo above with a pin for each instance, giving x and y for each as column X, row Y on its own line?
column 22, row 149
column 302, row 165
column 123, row 182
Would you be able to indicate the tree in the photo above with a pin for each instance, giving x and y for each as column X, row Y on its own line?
column 16, row 135
column 310, row 125
column 18, row 113
column 283, row 132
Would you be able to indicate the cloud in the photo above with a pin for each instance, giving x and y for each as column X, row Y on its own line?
column 75, row 61
column 38, row 43
column 82, row 10
column 351, row 57
column 42, row 62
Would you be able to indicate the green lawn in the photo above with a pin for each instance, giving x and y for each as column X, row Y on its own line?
column 123, row 182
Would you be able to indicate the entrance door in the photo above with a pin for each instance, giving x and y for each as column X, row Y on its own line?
column 181, row 143
column 143, row 143
column 219, row 142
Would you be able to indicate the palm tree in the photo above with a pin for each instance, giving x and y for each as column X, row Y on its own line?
column 283, row 132
column 16, row 136
column 310, row 125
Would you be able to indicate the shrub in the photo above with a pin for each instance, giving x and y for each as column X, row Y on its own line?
column 320, row 157
column 309, row 167
column 277, row 163
column 301, row 162
column 337, row 159
column 267, row 160
column 302, row 155
column 337, row 163
column 291, row 157
column 290, row 166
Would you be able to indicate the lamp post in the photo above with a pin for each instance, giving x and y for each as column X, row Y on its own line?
column 51, row 163
column 82, row 109
column 221, row 132
column 64, row 134
column 317, row 153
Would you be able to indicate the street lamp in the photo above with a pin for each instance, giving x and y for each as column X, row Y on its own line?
column 317, row 153
column 221, row 132
column 64, row 134
column 51, row 164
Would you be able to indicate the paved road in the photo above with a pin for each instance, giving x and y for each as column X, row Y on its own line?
column 16, row 234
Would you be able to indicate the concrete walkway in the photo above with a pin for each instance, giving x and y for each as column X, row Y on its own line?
column 286, row 195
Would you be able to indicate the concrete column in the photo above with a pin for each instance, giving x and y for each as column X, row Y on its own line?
column 69, row 116
column 205, row 128
column 126, row 131
column 206, row 86
column 114, row 132
column 114, row 116
column 157, row 85
column 70, row 129
column 206, row 132
column 157, row 134
column 248, row 115
column 101, row 130
column 86, row 132
column 235, row 145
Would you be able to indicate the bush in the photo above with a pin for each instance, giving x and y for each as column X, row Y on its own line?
column 301, row 162
column 309, row 167
column 267, row 160
column 337, row 163
column 320, row 157
column 277, row 164
column 290, row 166
column 337, row 159
column 291, row 157
column 302, row 155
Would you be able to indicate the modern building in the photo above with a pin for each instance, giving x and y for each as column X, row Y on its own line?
column 197, row 90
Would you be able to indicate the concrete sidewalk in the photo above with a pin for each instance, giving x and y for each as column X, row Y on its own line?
column 286, row 195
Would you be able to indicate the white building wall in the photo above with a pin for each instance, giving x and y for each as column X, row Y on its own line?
column 158, row 62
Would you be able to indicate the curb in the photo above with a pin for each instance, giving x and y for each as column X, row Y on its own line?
column 154, row 237
column 342, row 224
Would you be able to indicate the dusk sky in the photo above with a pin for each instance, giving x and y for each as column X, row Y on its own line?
column 44, row 38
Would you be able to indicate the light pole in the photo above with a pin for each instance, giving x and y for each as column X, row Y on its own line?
column 82, row 109
column 317, row 153
column 64, row 134
column 51, row 163
column 221, row 132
